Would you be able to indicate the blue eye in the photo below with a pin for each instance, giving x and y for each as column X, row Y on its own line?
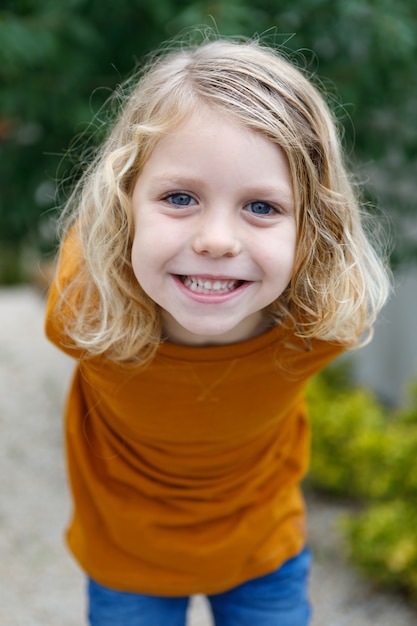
column 261, row 208
column 180, row 199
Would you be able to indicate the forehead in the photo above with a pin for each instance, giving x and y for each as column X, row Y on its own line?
column 210, row 151
column 208, row 129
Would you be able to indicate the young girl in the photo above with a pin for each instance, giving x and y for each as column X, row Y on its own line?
column 214, row 259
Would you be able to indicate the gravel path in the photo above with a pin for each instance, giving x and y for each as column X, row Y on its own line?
column 40, row 585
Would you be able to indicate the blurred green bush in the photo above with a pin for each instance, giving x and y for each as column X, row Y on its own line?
column 365, row 451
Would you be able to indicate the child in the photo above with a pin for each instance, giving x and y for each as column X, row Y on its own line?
column 214, row 259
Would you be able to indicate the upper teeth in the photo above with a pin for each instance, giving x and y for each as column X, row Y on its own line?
column 205, row 284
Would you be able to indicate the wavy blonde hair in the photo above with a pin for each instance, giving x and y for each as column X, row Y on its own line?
column 339, row 282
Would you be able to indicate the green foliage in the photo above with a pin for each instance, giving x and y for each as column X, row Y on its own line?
column 359, row 447
column 342, row 422
column 59, row 61
column 383, row 543
column 363, row 450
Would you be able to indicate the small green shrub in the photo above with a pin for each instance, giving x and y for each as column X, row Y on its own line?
column 346, row 443
column 382, row 541
column 365, row 451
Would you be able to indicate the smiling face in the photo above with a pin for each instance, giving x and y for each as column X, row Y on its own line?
column 215, row 232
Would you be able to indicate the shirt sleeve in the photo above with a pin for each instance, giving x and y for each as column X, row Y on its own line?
column 61, row 311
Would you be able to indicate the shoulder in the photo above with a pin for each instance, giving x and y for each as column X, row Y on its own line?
column 64, row 291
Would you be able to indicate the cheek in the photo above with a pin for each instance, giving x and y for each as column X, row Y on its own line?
column 140, row 256
column 150, row 252
column 280, row 254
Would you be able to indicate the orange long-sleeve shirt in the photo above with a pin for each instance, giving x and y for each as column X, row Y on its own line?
column 185, row 475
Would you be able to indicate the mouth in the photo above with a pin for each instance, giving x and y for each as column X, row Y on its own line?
column 217, row 286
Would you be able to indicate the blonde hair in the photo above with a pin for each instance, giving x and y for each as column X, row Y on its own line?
column 339, row 282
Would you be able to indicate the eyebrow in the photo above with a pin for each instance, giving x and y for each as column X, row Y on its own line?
column 267, row 190
column 284, row 192
column 167, row 178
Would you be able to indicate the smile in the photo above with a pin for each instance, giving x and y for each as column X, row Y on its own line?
column 198, row 284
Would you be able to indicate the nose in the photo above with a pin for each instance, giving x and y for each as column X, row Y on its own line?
column 217, row 236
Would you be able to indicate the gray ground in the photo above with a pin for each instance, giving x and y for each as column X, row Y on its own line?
column 40, row 585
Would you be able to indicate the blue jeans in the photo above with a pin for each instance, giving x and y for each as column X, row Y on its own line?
column 277, row 599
